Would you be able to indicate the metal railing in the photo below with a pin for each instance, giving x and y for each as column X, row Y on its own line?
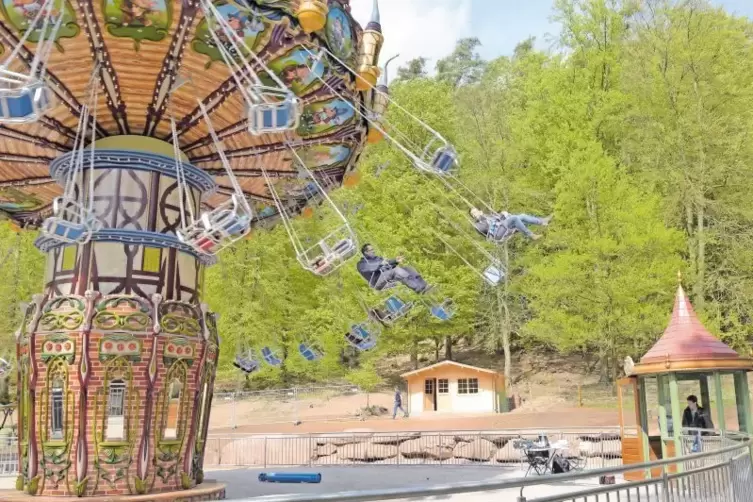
column 728, row 480
column 597, row 448
column 8, row 456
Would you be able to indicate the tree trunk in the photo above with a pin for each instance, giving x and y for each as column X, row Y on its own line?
column 448, row 348
column 700, row 286
column 503, row 311
column 414, row 354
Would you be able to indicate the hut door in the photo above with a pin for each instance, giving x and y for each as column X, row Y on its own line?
column 430, row 394
column 632, row 443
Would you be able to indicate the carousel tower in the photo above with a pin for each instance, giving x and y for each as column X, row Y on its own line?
column 118, row 355
column 136, row 179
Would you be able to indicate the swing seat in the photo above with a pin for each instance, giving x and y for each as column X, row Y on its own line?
column 494, row 226
column 309, row 352
column 493, row 274
column 445, row 160
column 272, row 111
column 218, row 228
column 246, row 365
column 360, row 338
column 329, row 257
column 71, row 223
column 23, row 99
column 394, row 310
column 270, row 357
column 443, row 311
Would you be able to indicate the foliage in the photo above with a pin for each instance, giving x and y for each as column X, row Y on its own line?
column 634, row 133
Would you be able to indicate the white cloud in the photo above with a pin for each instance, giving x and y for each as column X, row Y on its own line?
column 417, row 28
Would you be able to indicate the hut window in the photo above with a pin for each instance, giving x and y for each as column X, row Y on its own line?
column 56, row 405
column 173, row 409
column 115, row 428
column 443, row 386
column 468, row 386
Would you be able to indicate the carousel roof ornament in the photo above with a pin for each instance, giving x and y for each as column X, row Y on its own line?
column 687, row 345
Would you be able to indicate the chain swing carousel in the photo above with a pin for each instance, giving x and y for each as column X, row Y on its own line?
column 141, row 137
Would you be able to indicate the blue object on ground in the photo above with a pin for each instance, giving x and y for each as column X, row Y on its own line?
column 290, row 477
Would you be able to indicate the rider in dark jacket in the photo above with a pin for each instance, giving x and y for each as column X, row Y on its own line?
column 379, row 272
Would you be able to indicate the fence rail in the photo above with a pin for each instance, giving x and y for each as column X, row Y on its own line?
column 599, row 448
column 730, row 479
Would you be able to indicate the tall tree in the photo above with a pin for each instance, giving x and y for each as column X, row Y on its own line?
column 413, row 69
column 464, row 66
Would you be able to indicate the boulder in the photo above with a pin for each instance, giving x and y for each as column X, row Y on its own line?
column 508, row 454
column 589, row 449
column 611, row 449
column 433, row 447
column 342, row 439
column 367, row 452
column 326, row 450
column 479, row 450
column 439, row 452
column 499, row 441
column 395, row 439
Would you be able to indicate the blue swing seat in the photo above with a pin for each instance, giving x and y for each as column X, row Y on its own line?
column 360, row 338
column 23, row 99
column 309, row 352
column 445, row 160
column 245, row 364
column 394, row 310
column 272, row 111
column 66, row 230
column 493, row 274
column 270, row 357
column 443, row 311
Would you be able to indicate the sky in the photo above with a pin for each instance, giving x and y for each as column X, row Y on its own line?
column 429, row 28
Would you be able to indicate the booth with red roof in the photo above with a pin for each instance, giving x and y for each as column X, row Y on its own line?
column 687, row 360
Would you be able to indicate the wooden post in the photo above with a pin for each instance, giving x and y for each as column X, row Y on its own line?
column 643, row 426
column 721, row 423
column 674, row 393
column 663, row 425
column 742, row 398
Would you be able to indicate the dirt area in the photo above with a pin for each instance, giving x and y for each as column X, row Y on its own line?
column 342, row 413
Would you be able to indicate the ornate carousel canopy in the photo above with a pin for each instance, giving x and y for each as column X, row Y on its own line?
column 154, row 58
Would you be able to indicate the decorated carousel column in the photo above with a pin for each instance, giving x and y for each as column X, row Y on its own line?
column 117, row 357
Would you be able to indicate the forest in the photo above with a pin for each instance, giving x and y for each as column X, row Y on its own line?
column 635, row 130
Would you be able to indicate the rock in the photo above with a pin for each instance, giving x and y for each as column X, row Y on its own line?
column 395, row 439
column 434, row 447
column 342, row 439
column 589, row 449
column 439, row 452
column 479, row 450
column 508, row 454
column 499, row 441
column 466, row 439
column 326, row 450
column 611, row 449
column 367, row 452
